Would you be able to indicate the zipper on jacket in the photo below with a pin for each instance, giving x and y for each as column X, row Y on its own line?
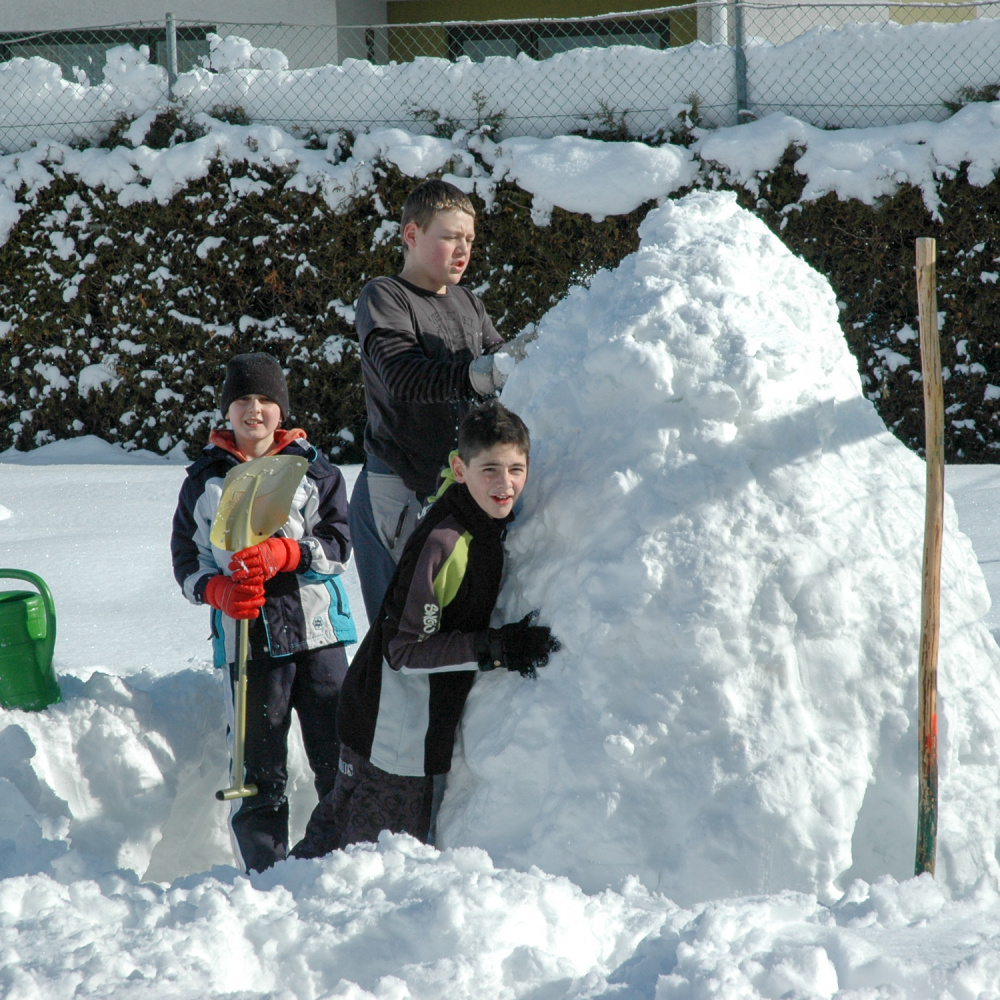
column 399, row 524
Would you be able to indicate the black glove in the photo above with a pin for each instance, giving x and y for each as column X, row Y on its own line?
column 522, row 646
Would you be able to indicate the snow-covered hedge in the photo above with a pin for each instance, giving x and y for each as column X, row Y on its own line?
column 129, row 274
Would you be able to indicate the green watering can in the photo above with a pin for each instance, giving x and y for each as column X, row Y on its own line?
column 27, row 641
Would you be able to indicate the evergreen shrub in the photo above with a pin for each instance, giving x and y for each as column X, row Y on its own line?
column 868, row 253
column 117, row 321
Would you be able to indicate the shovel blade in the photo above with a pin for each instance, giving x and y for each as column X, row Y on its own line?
column 256, row 499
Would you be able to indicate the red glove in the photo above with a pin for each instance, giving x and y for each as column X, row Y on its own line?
column 237, row 600
column 262, row 561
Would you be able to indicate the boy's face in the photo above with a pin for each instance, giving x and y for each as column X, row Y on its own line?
column 495, row 477
column 254, row 420
column 437, row 256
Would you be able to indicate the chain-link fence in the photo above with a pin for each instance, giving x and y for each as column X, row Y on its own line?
column 833, row 65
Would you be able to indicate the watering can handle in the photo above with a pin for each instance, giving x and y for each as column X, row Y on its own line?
column 37, row 581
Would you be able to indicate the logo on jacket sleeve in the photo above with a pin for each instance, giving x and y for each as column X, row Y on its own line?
column 432, row 615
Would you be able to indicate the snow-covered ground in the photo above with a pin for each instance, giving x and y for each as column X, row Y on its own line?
column 697, row 467
column 709, row 792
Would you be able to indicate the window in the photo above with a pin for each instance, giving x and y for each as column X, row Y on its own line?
column 84, row 50
column 543, row 39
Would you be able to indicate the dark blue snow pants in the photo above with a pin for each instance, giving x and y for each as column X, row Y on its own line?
column 308, row 682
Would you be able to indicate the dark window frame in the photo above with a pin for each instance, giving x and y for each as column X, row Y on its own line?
column 527, row 36
column 154, row 36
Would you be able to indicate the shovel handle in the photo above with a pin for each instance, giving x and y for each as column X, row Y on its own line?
column 255, row 502
column 240, row 792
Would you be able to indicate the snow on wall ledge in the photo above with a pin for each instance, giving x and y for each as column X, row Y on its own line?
column 545, row 97
column 728, row 543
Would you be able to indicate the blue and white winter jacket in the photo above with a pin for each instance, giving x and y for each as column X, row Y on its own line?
column 307, row 609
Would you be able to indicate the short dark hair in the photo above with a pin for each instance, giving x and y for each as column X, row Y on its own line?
column 431, row 197
column 488, row 425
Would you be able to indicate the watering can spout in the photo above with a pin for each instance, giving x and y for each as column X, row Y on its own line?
column 27, row 642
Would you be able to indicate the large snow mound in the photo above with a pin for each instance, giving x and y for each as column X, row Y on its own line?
column 728, row 543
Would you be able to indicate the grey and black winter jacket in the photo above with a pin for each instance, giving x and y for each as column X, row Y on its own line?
column 402, row 699
column 307, row 609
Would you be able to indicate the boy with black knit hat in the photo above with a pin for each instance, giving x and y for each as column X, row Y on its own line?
column 288, row 586
column 250, row 374
column 407, row 684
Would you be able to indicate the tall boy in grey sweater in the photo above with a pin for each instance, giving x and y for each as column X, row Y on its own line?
column 427, row 350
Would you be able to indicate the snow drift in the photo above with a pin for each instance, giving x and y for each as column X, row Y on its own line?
column 728, row 542
column 115, row 776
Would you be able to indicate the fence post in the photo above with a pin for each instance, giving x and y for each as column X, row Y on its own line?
column 736, row 20
column 930, row 591
column 171, row 56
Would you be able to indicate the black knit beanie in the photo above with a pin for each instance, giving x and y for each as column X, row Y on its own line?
column 254, row 374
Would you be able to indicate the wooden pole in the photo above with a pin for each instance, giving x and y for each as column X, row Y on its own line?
column 930, row 611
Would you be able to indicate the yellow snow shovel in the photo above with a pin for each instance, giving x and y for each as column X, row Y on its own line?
column 256, row 500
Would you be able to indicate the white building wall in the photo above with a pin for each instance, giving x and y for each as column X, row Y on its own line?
column 311, row 33
column 42, row 15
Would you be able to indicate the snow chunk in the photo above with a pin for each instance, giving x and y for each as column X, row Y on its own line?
column 52, row 375
column 129, row 70
column 98, row 376
column 165, row 395
column 893, row 359
column 593, row 177
column 387, row 232
column 64, row 246
column 415, row 155
column 229, row 53
column 343, row 310
column 207, row 245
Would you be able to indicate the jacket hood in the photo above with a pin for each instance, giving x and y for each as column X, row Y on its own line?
column 446, row 478
column 226, row 440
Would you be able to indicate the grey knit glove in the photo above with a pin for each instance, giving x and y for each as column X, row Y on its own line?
column 486, row 376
